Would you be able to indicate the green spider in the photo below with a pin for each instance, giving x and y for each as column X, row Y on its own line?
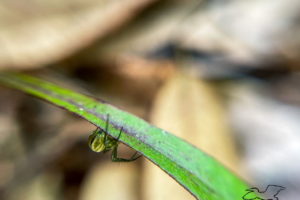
column 100, row 141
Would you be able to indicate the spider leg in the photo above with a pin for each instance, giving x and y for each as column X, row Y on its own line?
column 115, row 158
column 106, row 127
column 121, row 130
column 97, row 128
column 135, row 156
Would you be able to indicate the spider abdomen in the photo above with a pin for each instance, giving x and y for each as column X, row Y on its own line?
column 96, row 142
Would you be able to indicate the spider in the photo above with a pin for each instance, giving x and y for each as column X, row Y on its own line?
column 100, row 141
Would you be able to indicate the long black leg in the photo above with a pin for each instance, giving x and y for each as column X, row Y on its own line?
column 121, row 130
column 114, row 156
column 106, row 127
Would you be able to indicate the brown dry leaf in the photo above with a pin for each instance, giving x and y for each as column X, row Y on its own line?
column 140, row 69
column 111, row 181
column 148, row 33
column 217, row 28
column 36, row 33
column 190, row 109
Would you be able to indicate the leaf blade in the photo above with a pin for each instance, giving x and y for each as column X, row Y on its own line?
column 200, row 174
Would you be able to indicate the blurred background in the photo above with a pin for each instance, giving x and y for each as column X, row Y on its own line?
column 222, row 74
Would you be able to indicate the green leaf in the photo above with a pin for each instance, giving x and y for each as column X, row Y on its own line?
column 199, row 173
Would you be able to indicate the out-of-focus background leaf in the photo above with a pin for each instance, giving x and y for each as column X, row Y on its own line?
column 36, row 33
column 199, row 118
column 223, row 75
